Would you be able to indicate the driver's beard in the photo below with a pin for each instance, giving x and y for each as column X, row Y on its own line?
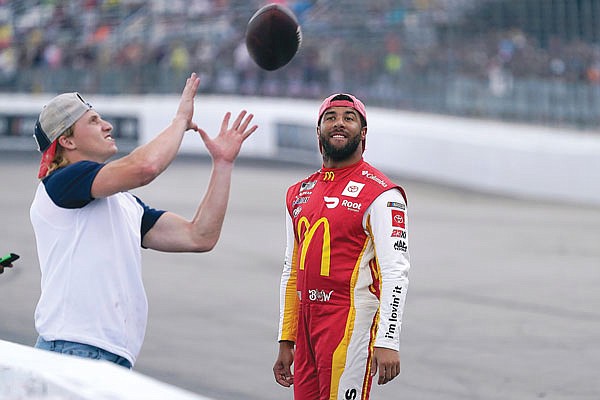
column 339, row 153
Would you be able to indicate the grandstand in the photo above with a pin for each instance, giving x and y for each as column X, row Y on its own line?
column 489, row 313
column 518, row 60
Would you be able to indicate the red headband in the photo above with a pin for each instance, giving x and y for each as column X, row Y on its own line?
column 353, row 103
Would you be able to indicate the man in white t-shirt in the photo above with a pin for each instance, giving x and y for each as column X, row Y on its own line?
column 90, row 230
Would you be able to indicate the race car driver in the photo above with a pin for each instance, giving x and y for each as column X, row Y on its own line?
column 345, row 273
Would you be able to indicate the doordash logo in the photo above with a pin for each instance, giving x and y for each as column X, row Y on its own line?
column 331, row 202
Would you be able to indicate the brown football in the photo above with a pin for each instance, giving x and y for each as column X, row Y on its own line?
column 273, row 36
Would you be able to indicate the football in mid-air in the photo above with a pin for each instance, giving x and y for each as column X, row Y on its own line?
column 273, row 36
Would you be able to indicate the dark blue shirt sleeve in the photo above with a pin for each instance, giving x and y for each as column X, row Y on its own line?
column 149, row 218
column 71, row 186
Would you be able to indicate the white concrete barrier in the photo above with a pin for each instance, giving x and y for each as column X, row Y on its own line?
column 509, row 159
column 29, row 373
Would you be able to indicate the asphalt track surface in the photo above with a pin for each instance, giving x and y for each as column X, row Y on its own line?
column 503, row 301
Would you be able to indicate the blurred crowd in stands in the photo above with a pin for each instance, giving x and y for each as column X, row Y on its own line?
column 363, row 46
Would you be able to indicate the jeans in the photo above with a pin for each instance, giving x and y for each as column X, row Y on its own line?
column 81, row 350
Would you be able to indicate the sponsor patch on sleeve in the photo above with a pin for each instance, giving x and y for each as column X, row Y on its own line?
column 398, row 219
column 400, row 245
column 395, row 204
column 400, row 233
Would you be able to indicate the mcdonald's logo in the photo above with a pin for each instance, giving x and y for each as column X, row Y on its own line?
column 329, row 176
column 308, row 231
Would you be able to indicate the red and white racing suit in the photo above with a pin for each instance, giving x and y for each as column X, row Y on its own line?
column 345, row 278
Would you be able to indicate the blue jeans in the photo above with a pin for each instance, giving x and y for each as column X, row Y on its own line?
column 81, row 350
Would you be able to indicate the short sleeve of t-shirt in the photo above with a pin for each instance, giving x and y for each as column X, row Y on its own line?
column 71, row 186
column 150, row 216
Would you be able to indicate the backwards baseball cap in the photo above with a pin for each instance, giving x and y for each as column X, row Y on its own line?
column 56, row 117
column 342, row 100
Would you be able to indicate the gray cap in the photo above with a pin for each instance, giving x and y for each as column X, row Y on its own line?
column 57, row 116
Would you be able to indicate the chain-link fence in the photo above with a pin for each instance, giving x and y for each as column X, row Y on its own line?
column 520, row 60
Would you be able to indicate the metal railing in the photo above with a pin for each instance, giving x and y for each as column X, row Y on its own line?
column 537, row 101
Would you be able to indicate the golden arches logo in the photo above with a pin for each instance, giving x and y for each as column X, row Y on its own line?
column 329, row 176
column 308, row 232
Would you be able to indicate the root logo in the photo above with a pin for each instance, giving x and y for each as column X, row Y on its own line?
column 350, row 205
